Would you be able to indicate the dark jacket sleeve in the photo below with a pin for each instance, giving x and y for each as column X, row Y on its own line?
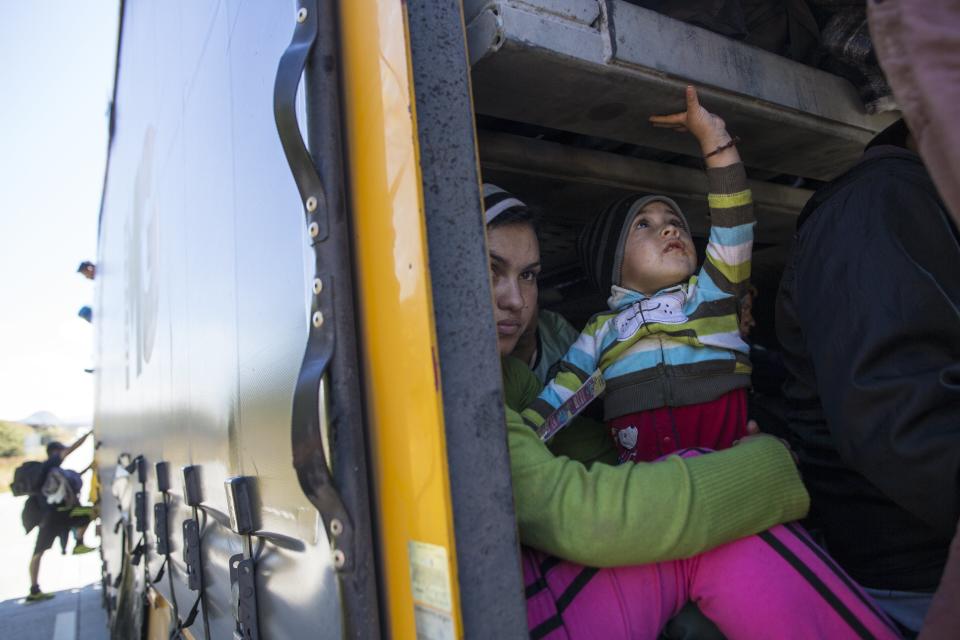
column 878, row 297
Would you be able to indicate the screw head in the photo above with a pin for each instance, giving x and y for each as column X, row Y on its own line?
column 336, row 527
column 302, row 15
column 314, row 229
column 317, row 319
column 339, row 559
column 317, row 286
column 311, row 204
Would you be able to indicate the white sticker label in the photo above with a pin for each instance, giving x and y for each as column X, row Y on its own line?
column 430, row 578
column 432, row 624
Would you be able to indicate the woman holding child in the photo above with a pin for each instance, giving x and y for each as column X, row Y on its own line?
column 687, row 527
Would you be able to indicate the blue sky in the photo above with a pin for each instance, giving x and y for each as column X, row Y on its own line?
column 56, row 68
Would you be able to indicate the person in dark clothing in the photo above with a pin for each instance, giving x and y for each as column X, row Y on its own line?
column 867, row 315
column 52, row 520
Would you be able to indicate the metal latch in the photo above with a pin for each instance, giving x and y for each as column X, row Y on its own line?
column 140, row 511
column 244, row 587
column 163, row 477
column 192, row 492
column 243, row 566
column 191, row 553
column 141, row 464
column 160, row 528
column 240, row 504
column 193, row 497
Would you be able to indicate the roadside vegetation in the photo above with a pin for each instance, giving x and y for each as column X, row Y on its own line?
column 21, row 442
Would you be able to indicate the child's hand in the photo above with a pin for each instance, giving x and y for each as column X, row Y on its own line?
column 709, row 130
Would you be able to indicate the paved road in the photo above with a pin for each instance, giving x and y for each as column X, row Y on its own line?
column 74, row 614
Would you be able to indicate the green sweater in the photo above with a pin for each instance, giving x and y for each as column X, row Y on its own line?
column 599, row 515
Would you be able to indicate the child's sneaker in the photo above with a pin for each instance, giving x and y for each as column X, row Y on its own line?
column 37, row 596
column 81, row 549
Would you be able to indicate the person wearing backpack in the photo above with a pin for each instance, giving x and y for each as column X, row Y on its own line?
column 50, row 507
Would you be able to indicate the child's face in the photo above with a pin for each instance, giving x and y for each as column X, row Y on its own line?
column 658, row 252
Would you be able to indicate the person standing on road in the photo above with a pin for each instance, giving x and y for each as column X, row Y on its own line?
column 53, row 519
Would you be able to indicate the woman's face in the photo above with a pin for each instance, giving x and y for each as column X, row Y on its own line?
column 514, row 267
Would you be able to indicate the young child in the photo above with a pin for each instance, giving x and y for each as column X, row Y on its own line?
column 669, row 350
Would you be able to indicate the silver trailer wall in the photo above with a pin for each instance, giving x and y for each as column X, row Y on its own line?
column 204, row 273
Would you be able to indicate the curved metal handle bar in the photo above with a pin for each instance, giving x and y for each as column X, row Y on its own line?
column 292, row 63
column 309, row 459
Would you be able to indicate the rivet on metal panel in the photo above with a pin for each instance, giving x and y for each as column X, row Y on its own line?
column 339, row 559
column 317, row 286
column 311, row 204
column 314, row 229
column 336, row 527
column 302, row 15
column 317, row 319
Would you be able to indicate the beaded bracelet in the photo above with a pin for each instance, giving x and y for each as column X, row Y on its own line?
column 732, row 142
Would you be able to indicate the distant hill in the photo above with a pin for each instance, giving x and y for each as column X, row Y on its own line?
column 42, row 419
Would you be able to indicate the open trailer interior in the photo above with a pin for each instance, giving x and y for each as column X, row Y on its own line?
column 208, row 294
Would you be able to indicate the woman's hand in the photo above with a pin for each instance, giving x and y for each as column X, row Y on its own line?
column 709, row 130
column 753, row 432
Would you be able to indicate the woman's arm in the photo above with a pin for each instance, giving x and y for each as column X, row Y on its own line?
column 638, row 513
column 649, row 512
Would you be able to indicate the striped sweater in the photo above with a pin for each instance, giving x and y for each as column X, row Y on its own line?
column 681, row 346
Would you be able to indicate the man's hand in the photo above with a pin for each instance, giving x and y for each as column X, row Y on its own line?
column 709, row 130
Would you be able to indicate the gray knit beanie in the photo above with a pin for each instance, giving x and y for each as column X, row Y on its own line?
column 600, row 245
column 502, row 205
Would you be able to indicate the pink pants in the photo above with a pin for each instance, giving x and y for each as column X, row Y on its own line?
column 777, row 584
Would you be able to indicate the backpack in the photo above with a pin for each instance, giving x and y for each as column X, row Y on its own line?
column 27, row 478
column 58, row 488
column 74, row 478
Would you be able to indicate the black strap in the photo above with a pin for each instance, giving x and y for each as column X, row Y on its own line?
column 825, row 592
column 566, row 598
column 191, row 617
column 138, row 552
column 166, row 559
column 839, row 573
column 159, row 576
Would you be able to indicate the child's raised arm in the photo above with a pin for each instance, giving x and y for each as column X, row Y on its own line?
column 731, row 203
column 718, row 147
